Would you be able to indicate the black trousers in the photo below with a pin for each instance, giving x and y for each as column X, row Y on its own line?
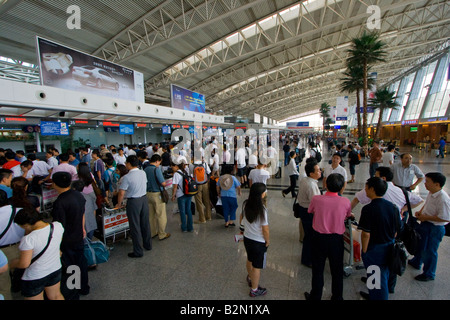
column 139, row 220
column 293, row 179
column 73, row 255
column 329, row 246
column 307, row 219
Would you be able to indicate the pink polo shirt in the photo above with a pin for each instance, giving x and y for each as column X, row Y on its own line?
column 330, row 211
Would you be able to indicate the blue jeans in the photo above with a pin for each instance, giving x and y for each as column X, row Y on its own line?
column 184, row 205
column 378, row 255
column 287, row 158
column 229, row 205
column 352, row 169
column 372, row 168
column 428, row 251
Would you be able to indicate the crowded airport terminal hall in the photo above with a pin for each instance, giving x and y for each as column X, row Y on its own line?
column 232, row 157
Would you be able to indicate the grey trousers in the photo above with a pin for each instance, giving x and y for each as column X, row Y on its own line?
column 138, row 218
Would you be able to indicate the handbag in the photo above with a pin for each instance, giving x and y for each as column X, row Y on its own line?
column 100, row 199
column 409, row 235
column 398, row 256
column 164, row 194
column 95, row 252
column 296, row 208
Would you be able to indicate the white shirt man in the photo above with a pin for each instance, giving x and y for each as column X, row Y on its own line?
column 52, row 162
column 259, row 174
column 40, row 168
column 437, row 205
column 405, row 171
column 388, row 159
column 240, row 158
column 120, row 158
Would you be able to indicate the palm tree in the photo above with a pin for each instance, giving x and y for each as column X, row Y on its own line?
column 383, row 100
column 354, row 83
column 366, row 51
column 325, row 114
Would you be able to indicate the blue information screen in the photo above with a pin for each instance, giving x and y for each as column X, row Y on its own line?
column 126, row 129
column 51, row 128
column 185, row 99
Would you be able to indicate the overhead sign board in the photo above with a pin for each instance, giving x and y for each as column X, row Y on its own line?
column 66, row 68
column 50, row 128
column 295, row 125
column 185, row 99
column 126, row 129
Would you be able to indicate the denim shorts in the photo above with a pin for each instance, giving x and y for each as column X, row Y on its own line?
column 31, row 288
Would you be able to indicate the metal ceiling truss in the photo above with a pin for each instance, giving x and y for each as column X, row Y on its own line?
column 17, row 71
column 276, row 103
column 286, row 32
column 160, row 25
column 319, row 64
column 399, row 48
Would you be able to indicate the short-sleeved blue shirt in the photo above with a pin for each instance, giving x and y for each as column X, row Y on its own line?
column 232, row 191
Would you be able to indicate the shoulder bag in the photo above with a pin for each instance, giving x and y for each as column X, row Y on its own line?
column 398, row 258
column 16, row 274
column 11, row 219
column 409, row 235
column 164, row 194
column 50, row 236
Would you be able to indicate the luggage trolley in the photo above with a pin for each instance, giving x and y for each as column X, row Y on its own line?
column 114, row 222
column 349, row 246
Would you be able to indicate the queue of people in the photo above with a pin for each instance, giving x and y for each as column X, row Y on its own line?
column 383, row 217
column 136, row 180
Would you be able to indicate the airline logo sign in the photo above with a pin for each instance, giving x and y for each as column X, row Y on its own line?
column 298, row 125
column 115, row 223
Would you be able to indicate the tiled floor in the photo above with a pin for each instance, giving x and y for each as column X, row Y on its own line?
column 208, row 264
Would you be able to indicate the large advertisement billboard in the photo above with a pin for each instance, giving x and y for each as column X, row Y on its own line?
column 185, row 99
column 66, row 68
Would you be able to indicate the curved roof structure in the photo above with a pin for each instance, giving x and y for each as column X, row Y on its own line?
column 276, row 58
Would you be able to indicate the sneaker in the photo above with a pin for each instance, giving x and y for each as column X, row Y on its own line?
column 257, row 293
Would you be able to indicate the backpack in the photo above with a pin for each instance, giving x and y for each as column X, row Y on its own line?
column 318, row 155
column 189, row 186
column 200, row 175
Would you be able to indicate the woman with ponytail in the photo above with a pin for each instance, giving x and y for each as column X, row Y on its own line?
column 255, row 225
